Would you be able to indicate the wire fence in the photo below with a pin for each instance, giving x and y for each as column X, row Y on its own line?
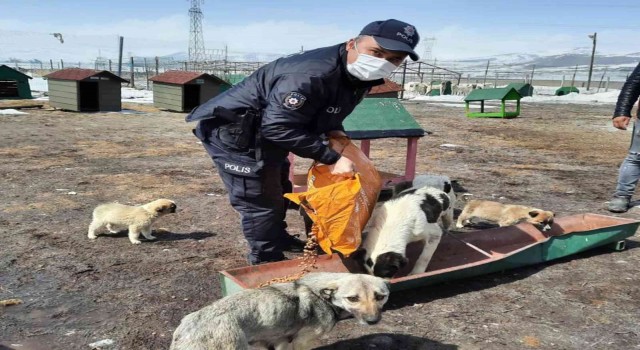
column 139, row 69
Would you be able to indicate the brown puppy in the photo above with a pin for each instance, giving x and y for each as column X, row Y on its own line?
column 505, row 214
column 138, row 219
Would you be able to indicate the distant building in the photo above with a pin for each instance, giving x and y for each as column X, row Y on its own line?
column 85, row 90
column 182, row 91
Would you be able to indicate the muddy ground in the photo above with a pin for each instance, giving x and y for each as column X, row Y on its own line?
column 57, row 166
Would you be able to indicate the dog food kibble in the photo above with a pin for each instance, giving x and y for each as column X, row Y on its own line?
column 308, row 261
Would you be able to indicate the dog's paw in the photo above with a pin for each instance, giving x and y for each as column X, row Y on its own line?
column 136, row 242
column 151, row 238
column 92, row 236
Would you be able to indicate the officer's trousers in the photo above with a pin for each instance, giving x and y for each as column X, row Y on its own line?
column 630, row 168
column 257, row 197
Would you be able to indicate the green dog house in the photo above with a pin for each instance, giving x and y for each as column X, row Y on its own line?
column 524, row 89
column 565, row 90
column 377, row 118
column 13, row 84
column 501, row 94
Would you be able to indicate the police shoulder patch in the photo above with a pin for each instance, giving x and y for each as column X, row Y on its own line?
column 293, row 100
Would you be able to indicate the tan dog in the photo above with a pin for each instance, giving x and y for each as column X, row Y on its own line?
column 505, row 214
column 138, row 219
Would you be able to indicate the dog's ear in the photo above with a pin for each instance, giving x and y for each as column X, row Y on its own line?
column 327, row 293
column 447, row 187
column 403, row 262
column 534, row 213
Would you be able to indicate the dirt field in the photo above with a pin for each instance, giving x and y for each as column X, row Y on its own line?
column 57, row 166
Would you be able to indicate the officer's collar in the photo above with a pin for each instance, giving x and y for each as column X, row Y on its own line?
column 353, row 81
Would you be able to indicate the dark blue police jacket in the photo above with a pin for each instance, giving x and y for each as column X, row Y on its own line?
column 300, row 97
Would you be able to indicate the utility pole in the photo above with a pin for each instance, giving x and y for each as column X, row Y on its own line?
column 533, row 70
column 120, row 57
column 573, row 79
column 593, row 53
column 146, row 71
column 133, row 85
column 602, row 78
column 485, row 73
column 404, row 73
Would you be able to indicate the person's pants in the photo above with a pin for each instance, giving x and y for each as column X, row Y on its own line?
column 257, row 197
column 630, row 168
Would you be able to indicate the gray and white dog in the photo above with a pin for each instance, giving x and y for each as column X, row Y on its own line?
column 285, row 315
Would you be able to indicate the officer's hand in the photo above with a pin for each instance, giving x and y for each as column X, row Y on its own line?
column 344, row 166
column 621, row 122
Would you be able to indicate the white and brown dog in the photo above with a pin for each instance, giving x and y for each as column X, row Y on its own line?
column 505, row 214
column 137, row 219
column 413, row 215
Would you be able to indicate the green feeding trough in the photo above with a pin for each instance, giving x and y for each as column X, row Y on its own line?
column 377, row 118
column 524, row 89
column 500, row 94
column 565, row 90
column 467, row 254
column 13, row 84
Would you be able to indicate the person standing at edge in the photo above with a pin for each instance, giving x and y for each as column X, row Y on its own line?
column 630, row 168
column 292, row 105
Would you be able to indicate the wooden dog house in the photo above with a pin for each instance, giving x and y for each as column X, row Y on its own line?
column 85, row 90
column 389, row 89
column 182, row 91
column 13, row 84
column 377, row 118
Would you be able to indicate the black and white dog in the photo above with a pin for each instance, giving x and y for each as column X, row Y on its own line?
column 441, row 182
column 415, row 214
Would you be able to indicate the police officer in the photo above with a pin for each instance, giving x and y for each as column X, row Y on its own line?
column 290, row 105
column 630, row 168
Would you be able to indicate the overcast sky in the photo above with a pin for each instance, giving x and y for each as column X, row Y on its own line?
column 461, row 29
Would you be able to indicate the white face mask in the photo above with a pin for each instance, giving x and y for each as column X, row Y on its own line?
column 367, row 67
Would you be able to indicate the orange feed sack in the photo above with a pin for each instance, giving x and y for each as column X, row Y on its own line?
column 340, row 206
